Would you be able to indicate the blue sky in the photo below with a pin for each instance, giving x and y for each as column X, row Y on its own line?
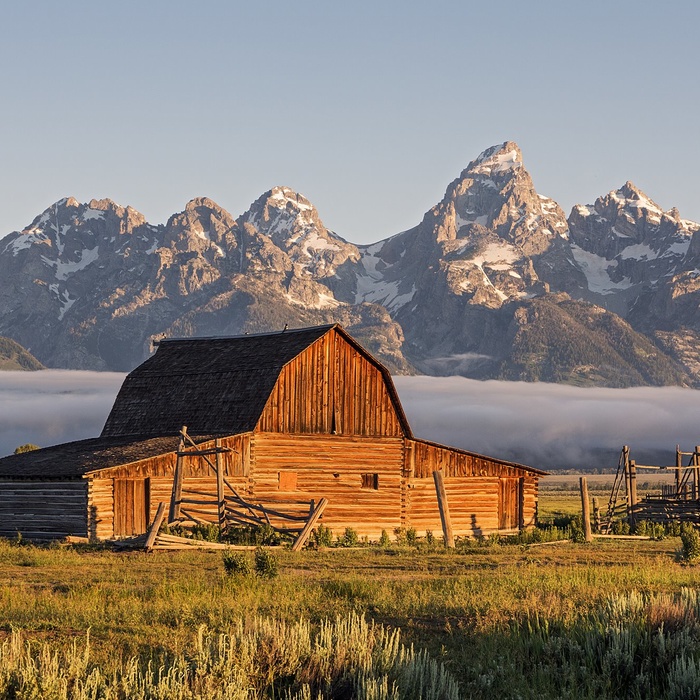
column 368, row 108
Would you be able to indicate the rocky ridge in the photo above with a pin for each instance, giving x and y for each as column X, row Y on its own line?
column 495, row 281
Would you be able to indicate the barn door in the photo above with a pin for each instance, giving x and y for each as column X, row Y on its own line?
column 510, row 504
column 131, row 507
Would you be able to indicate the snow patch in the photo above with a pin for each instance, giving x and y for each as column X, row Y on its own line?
column 597, row 271
column 499, row 163
column 93, row 214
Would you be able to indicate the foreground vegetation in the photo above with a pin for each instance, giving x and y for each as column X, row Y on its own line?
column 605, row 620
column 404, row 618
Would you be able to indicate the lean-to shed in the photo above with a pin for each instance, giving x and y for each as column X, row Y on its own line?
column 304, row 414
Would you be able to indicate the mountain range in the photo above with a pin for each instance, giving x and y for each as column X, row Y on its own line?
column 494, row 282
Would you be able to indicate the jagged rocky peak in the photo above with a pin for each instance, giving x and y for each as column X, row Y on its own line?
column 283, row 215
column 68, row 227
column 203, row 225
column 623, row 220
column 292, row 223
column 496, row 192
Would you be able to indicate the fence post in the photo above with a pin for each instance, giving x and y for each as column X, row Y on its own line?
column 585, row 510
column 444, row 508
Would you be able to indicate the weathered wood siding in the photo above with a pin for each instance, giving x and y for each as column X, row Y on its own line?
column 484, row 495
column 334, row 467
column 331, row 388
column 43, row 510
column 153, row 478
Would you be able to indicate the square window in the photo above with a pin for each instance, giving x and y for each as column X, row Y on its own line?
column 287, row 481
column 370, row 481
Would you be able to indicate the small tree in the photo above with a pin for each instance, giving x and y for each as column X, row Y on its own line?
column 28, row 447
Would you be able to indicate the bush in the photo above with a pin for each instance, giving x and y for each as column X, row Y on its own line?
column 266, row 563
column 28, row 447
column 411, row 536
column 384, row 540
column 400, row 535
column 322, row 536
column 690, row 543
column 236, row 563
column 349, row 538
column 429, row 537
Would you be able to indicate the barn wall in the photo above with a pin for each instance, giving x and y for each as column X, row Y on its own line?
column 42, row 510
column 157, row 473
column 334, row 467
column 484, row 495
column 331, row 388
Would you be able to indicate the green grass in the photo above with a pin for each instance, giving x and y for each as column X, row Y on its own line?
column 501, row 620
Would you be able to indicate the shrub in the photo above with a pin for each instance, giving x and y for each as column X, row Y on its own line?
column 322, row 536
column 411, row 536
column 400, row 535
column 266, row 563
column 384, row 540
column 690, row 543
column 28, row 447
column 429, row 537
column 349, row 538
column 236, row 563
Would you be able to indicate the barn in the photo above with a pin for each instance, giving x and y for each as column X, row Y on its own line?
column 292, row 417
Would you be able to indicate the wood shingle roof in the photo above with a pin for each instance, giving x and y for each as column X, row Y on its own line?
column 212, row 385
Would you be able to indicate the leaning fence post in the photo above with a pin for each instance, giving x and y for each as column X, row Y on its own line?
column 444, row 509
column 585, row 510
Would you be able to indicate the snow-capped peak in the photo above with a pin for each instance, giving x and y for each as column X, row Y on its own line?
column 497, row 159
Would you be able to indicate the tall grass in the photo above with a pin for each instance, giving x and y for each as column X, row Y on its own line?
column 260, row 658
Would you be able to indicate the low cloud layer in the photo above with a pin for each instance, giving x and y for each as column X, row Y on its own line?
column 54, row 406
column 544, row 425
column 552, row 425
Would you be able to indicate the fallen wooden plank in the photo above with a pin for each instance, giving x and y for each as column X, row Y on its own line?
column 155, row 526
column 310, row 523
column 622, row 537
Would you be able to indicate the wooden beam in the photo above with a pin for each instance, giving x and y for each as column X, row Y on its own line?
column 220, row 496
column 155, row 526
column 444, row 509
column 310, row 524
column 176, row 495
column 585, row 510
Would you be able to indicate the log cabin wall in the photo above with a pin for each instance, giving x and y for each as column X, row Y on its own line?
column 149, row 481
column 484, row 495
column 43, row 510
column 362, row 478
column 331, row 388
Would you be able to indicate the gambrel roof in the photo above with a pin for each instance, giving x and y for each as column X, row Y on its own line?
column 215, row 385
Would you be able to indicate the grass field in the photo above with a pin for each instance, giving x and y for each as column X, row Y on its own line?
column 605, row 620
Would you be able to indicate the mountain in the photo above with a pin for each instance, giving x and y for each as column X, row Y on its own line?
column 494, row 282
column 14, row 357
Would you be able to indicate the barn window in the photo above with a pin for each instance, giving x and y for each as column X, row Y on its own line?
column 287, row 481
column 370, row 481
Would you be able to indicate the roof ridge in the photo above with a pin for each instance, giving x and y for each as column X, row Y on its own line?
column 284, row 331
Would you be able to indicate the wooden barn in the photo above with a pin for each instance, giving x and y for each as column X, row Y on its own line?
column 291, row 417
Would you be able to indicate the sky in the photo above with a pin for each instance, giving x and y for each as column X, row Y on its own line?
column 369, row 109
column 551, row 426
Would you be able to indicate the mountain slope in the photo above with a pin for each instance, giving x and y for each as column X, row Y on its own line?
column 493, row 282
column 14, row 357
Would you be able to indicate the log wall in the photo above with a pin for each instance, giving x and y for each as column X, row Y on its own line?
column 343, row 469
column 157, row 473
column 331, row 388
column 43, row 510
column 484, row 495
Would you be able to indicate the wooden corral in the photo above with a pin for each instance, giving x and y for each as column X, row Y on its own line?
column 679, row 502
column 294, row 417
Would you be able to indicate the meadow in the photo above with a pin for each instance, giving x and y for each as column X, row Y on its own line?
column 611, row 619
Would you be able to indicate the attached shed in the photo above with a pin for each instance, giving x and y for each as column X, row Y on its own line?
column 304, row 414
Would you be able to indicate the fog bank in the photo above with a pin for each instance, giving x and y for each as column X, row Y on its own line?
column 544, row 425
column 53, row 406
column 552, row 425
